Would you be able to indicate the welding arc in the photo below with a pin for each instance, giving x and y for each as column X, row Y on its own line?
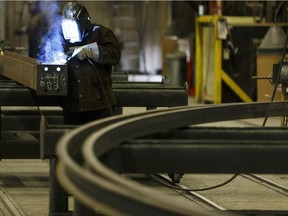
column 102, row 86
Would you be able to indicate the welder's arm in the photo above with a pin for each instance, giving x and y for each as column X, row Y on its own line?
column 88, row 51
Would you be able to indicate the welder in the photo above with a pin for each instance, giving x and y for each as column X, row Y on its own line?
column 92, row 51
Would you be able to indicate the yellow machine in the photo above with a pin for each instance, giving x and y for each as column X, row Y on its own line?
column 210, row 75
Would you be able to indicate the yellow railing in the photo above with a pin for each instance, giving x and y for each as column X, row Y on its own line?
column 211, row 69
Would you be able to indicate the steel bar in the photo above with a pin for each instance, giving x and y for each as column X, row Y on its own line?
column 21, row 96
column 45, row 79
column 58, row 198
column 223, row 134
column 133, row 95
column 13, row 94
column 228, row 149
column 19, row 68
column 49, row 136
column 154, row 95
column 90, row 181
column 122, row 200
column 208, row 156
column 19, row 146
column 119, row 76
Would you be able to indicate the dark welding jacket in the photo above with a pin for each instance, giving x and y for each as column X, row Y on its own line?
column 85, row 92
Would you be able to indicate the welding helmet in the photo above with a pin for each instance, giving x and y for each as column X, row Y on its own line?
column 75, row 22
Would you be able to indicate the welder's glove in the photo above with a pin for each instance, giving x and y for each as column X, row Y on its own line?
column 88, row 51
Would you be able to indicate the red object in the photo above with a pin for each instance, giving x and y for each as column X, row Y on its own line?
column 190, row 78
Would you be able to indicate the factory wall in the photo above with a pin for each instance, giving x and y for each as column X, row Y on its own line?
column 152, row 19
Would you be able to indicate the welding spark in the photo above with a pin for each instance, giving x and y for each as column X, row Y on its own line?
column 52, row 51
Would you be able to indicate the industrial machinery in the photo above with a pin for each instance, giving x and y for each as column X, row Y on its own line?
column 225, row 62
column 45, row 79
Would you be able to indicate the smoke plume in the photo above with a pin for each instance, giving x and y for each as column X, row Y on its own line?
column 52, row 51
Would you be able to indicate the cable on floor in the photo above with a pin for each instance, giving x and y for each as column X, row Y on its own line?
column 155, row 177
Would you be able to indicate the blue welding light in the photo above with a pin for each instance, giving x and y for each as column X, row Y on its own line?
column 52, row 51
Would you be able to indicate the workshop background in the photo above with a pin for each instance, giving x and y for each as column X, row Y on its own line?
column 178, row 58
column 159, row 38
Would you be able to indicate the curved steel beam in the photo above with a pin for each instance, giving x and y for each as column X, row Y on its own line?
column 83, row 175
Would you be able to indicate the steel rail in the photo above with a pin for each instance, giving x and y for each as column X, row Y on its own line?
column 10, row 204
column 91, row 182
column 133, row 199
column 200, row 199
column 130, row 198
column 267, row 183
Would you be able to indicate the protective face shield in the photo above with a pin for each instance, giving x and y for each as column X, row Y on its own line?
column 76, row 22
column 71, row 30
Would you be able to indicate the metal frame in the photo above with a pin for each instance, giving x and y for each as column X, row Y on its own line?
column 219, row 74
column 204, row 150
column 149, row 95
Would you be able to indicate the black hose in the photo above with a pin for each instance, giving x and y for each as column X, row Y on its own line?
column 155, row 177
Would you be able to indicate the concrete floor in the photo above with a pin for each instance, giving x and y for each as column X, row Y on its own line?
column 24, row 185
